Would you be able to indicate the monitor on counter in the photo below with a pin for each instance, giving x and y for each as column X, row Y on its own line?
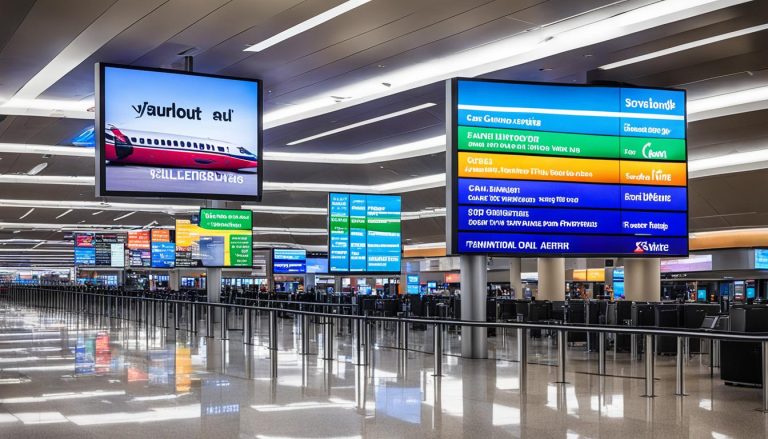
column 168, row 133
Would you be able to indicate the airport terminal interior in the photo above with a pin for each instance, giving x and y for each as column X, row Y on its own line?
column 322, row 219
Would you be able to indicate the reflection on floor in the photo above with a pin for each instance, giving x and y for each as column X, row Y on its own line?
column 66, row 376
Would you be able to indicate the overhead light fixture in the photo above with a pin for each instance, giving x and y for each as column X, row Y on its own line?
column 730, row 163
column 725, row 104
column 65, row 213
column 16, row 232
column 307, row 25
column 686, row 46
column 123, row 216
column 418, row 148
column 97, row 212
column 37, row 169
column 38, row 244
column 363, row 123
column 23, row 148
column 408, row 185
column 27, row 214
column 581, row 30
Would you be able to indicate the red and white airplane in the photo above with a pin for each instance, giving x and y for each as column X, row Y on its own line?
column 169, row 150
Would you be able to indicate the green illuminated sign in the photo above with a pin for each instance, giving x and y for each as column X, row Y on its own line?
column 223, row 219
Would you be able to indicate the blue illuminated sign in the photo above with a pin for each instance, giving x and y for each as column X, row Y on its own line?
column 163, row 254
column 761, row 259
column 289, row 261
column 85, row 256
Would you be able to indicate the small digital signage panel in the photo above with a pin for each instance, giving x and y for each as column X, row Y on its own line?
column 163, row 249
column 220, row 238
column 364, row 233
column 289, row 261
column 551, row 169
column 100, row 250
column 166, row 133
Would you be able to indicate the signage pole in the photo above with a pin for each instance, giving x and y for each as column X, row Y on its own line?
column 474, row 275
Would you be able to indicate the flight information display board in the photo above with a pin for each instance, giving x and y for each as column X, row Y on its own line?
column 364, row 233
column 100, row 250
column 289, row 261
column 139, row 248
column 549, row 169
column 220, row 238
column 163, row 249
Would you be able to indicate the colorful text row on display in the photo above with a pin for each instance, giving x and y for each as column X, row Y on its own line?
column 536, row 165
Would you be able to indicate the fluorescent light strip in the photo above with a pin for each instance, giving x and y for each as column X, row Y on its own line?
column 307, row 25
column 686, row 46
column 28, row 213
column 432, row 145
column 68, row 211
column 363, row 123
column 409, row 185
column 123, row 216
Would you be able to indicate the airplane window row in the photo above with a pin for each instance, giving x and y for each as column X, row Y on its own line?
column 163, row 142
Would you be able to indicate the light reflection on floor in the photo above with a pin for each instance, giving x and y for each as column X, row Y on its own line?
column 63, row 376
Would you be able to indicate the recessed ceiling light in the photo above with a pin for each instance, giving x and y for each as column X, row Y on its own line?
column 363, row 123
column 16, row 231
column 27, row 214
column 686, row 46
column 97, row 212
column 307, row 25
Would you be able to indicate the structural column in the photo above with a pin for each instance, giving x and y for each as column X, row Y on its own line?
column 642, row 279
column 515, row 276
column 173, row 280
column 551, row 279
column 213, row 284
column 474, row 275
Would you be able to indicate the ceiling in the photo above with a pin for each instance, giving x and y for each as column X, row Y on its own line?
column 382, row 57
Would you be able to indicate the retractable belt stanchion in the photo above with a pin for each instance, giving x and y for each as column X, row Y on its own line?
column 247, row 326
column 680, row 367
column 522, row 354
column 328, row 344
column 650, row 364
column 437, row 339
column 273, row 330
column 359, row 334
column 601, row 353
column 765, row 376
column 304, row 324
column 209, row 320
column 561, row 358
column 224, row 333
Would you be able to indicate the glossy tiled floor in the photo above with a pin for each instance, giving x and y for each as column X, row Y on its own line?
column 67, row 377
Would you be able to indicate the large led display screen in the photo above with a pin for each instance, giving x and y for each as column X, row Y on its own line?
column 289, row 261
column 364, row 233
column 177, row 134
column 100, row 250
column 216, row 238
column 545, row 169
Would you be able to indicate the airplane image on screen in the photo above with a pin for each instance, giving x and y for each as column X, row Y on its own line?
column 146, row 148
